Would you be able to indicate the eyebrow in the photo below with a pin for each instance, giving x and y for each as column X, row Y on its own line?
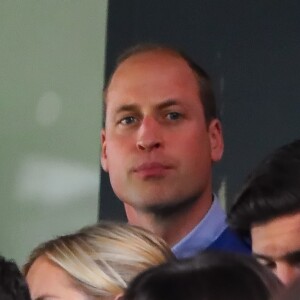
column 167, row 103
column 132, row 107
column 126, row 108
column 46, row 296
column 293, row 256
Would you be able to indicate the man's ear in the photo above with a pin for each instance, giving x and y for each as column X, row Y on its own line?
column 216, row 140
column 103, row 151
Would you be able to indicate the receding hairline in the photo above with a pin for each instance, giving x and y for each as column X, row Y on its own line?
column 134, row 53
column 203, row 81
column 147, row 48
column 148, row 51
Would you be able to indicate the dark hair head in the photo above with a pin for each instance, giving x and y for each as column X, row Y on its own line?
column 209, row 276
column 270, row 191
column 12, row 283
column 204, row 83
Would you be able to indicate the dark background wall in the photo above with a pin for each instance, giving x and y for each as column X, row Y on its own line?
column 251, row 49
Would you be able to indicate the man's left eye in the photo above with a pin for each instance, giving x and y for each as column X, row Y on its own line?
column 173, row 115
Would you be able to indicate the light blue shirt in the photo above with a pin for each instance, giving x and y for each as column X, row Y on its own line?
column 204, row 234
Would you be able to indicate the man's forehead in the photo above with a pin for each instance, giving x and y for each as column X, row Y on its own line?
column 152, row 53
column 278, row 236
column 152, row 72
column 285, row 223
column 161, row 58
column 288, row 256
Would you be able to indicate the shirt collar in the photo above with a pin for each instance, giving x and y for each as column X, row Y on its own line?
column 204, row 234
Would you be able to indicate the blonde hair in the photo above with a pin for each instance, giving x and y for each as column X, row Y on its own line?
column 103, row 258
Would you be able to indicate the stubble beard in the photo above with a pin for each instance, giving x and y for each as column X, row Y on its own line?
column 169, row 209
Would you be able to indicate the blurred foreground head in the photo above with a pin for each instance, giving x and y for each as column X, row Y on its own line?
column 12, row 283
column 209, row 276
column 97, row 262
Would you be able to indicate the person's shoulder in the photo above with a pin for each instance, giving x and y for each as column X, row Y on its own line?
column 231, row 241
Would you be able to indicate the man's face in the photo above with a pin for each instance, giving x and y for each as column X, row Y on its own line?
column 276, row 244
column 156, row 145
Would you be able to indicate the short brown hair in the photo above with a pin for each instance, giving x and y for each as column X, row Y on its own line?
column 206, row 93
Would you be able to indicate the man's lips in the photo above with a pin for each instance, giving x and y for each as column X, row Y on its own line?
column 152, row 169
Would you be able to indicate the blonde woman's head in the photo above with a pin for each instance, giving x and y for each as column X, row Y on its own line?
column 100, row 259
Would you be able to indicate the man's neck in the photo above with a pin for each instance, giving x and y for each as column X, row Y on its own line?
column 171, row 228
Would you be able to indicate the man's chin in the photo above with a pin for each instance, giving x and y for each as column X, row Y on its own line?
column 164, row 209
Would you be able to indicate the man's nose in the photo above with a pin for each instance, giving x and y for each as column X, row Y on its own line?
column 149, row 135
column 286, row 273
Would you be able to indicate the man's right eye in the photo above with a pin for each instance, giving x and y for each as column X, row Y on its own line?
column 128, row 120
column 267, row 263
column 271, row 265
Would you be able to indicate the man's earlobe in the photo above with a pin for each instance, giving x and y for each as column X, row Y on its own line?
column 103, row 151
column 216, row 140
